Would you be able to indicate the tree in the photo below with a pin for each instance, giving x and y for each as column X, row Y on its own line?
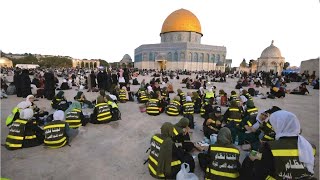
column 286, row 65
column 243, row 63
column 104, row 63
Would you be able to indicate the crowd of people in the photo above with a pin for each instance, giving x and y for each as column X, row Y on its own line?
column 272, row 138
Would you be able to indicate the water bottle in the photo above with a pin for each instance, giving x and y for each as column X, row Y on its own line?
column 236, row 142
column 213, row 138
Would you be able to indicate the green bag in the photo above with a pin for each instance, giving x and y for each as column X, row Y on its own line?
column 9, row 119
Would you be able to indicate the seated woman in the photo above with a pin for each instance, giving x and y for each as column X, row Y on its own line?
column 59, row 102
column 15, row 112
column 290, row 156
column 222, row 160
column 174, row 107
column 301, row 90
column 212, row 124
column 80, row 97
column 123, row 95
column 64, row 85
column 197, row 102
column 181, row 134
column 115, row 112
column 24, row 132
column 165, row 158
column 74, row 115
column 142, row 95
column 101, row 112
column 39, row 114
column 153, row 105
column 57, row 132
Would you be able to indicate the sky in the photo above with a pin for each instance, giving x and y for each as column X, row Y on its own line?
column 110, row 29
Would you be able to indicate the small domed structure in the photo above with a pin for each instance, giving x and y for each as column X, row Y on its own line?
column 271, row 52
column 5, row 62
column 126, row 59
column 271, row 60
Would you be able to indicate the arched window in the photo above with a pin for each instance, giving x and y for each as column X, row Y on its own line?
column 201, row 57
column 213, row 58
column 91, row 64
column 176, row 56
column 208, row 57
column 169, row 56
column 95, row 64
column 195, row 59
column 218, row 57
column 182, row 56
column 190, row 56
column 151, row 58
column 82, row 64
column 87, row 64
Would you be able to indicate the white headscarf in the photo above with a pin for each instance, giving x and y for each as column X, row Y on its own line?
column 26, row 114
column 24, row 104
column 259, row 113
column 243, row 99
column 188, row 98
column 58, row 115
column 28, row 97
column 287, row 124
column 149, row 89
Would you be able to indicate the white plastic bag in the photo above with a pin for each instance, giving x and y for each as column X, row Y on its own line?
column 184, row 174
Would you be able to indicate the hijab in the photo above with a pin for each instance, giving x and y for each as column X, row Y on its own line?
column 100, row 99
column 224, row 137
column 176, row 98
column 28, row 98
column 60, row 94
column 165, row 154
column 58, row 115
column 250, row 104
column 183, row 123
column 286, row 124
column 188, row 99
column 78, row 96
column 26, row 114
column 24, row 104
column 74, row 105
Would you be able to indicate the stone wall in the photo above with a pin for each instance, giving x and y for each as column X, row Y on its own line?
column 181, row 37
column 310, row 66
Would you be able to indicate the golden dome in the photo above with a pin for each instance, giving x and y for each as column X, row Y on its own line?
column 181, row 20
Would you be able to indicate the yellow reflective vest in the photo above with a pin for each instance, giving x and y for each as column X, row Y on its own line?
column 55, row 134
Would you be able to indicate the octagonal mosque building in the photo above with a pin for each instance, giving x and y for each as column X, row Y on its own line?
column 180, row 47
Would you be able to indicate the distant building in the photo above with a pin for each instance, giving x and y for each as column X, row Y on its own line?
column 310, row 66
column 126, row 59
column 180, row 47
column 79, row 63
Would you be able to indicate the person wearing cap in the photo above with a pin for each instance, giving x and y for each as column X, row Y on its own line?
column 251, row 109
column 289, row 156
column 101, row 112
column 188, row 111
column 24, row 132
column 233, row 114
column 212, row 124
column 181, row 134
column 74, row 116
column 246, row 94
column 57, row 132
column 59, row 102
column 197, row 102
column 80, row 97
column 174, row 107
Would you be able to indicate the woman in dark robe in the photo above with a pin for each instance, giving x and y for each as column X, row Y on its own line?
column 49, row 85
column 25, row 83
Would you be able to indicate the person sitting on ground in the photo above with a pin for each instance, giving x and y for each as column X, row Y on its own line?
column 101, row 112
column 135, row 82
column 142, row 95
column 115, row 112
column 188, row 111
column 15, row 112
column 182, row 96
column 123, row 95
column 222, row 152
column 57, row 132
column 153, row 105
column 23, row 132
column 213, row 123
column 59, row 102
column 174, row 107
column 165, row 158
column 64, row 85
column 290, row 156
column 39, row 113
column 197, row 102
column 80, row 97
column 74, row 116
column 170, row 88
column 301, row 90
column 181, row 134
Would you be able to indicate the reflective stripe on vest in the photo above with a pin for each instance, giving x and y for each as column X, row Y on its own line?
column 288, row 152
column 175, row 131
column 268, row 137
column 224, row 149
column 104, row 113
column 221, row 173
column 73, row 118
column 232, row 119
column 249, row 123
column 55, row 136
column 270, row 178
column 234, row 109
column 15, row 137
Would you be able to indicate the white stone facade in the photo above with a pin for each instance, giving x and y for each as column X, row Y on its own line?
column 311, row 66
